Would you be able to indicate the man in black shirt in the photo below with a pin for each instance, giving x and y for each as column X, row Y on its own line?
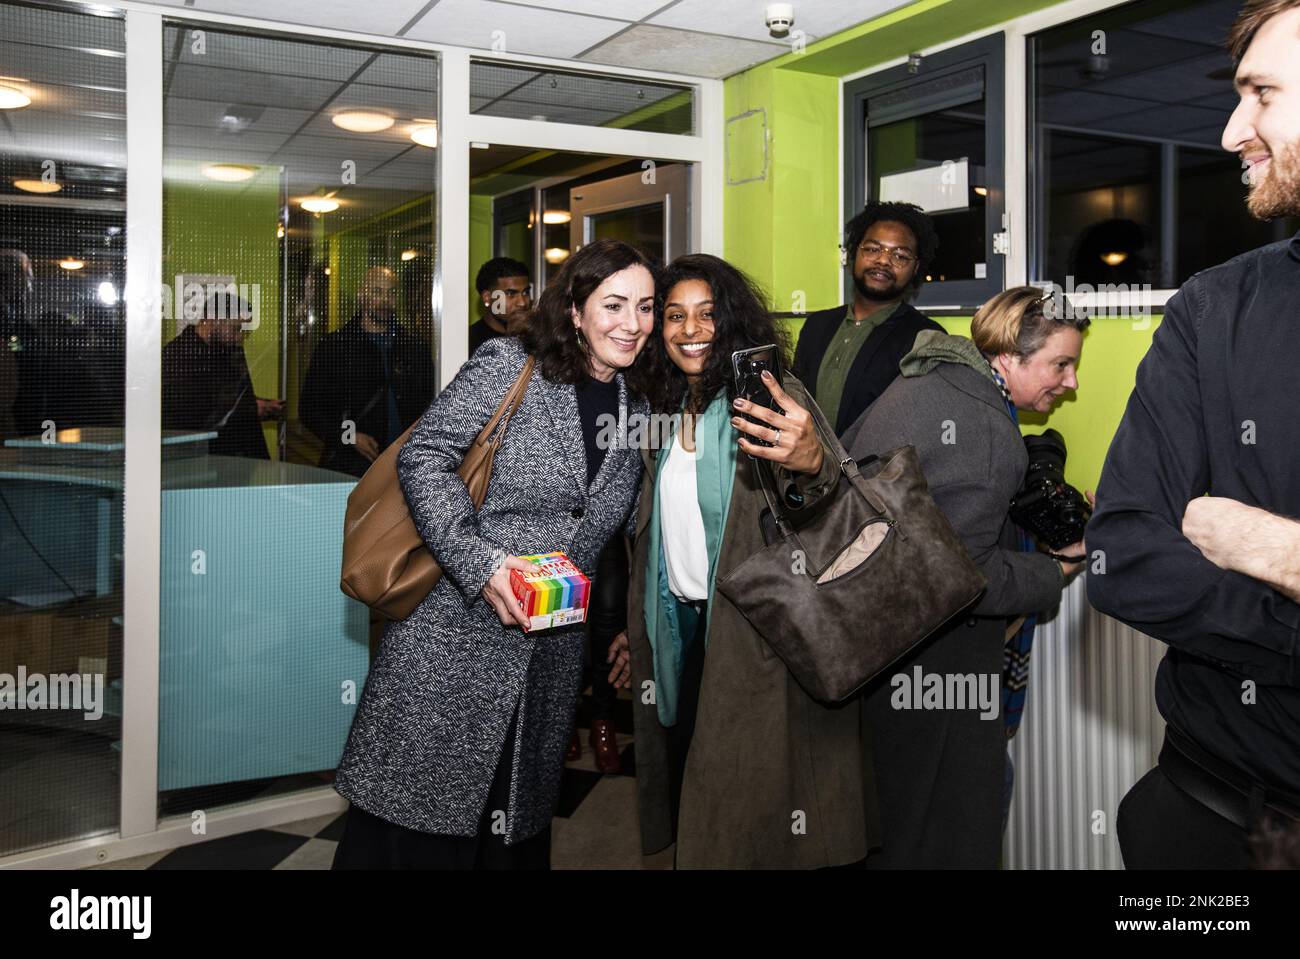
column 368, row 380
column 848, row 354
column 505, row 293
column 206, row 384
column 1217, row 577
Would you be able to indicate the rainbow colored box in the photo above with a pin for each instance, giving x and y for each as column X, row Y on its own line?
column 554, row 595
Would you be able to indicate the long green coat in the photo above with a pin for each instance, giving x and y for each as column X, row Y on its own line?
column 774, row 779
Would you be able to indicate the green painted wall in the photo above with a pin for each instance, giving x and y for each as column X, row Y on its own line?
column 784, row 230
column 480, row 246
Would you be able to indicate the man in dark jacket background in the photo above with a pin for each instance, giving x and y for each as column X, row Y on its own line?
column 367, row 381
column 848, row 354
column 206, row 384
column 1217, row 577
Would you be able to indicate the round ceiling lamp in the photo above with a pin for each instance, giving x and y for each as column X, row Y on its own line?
column 426, row 133
column 38, row 186
column 229, row 172
column 11, row 98
column 319, row 204
column 362, row 121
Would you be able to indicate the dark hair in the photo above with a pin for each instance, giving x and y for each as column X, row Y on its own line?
column 909, row 215
column 1254, row 14
column 499, row 268
column 740, row 321
column 549, row 335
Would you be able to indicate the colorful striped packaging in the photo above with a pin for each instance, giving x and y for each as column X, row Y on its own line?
column 554, row 595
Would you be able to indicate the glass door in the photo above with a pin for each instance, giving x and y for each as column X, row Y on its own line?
column 650, row 210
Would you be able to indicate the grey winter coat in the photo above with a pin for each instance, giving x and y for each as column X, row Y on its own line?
column 447, row 681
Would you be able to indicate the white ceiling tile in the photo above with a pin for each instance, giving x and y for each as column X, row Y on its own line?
column 524, row 29
column 677, row 51
column 622, row 9
column 745, row 18
column 383, row 19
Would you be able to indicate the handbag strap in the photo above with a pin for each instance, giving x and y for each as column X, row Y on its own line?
column 509, row 403
column 847, row 464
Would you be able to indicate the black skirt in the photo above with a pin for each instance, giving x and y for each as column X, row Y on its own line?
column 370, row 842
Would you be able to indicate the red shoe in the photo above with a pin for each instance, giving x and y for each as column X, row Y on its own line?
column 605, row 745
column 574, row 752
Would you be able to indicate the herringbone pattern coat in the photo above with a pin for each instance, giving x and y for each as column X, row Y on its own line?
column 448, row 679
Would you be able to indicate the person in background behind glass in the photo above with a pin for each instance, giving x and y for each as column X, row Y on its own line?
column 505, row 292
column 367, row 381
column 206, row 385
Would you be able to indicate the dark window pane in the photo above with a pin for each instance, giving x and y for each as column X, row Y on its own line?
column 1130, row 183
column 936, row 160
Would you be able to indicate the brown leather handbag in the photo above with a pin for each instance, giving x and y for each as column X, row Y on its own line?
column 386, row 564
column 875, row 568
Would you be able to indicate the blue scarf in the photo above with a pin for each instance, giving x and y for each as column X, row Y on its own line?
column 715, row 474
column 1015, row 654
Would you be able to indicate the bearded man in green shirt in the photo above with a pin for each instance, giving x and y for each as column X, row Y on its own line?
column 848, row 354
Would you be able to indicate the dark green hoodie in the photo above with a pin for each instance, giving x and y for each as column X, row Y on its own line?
column 933, row 347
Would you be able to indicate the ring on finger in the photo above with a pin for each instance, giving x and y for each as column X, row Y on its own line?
column 776, row 439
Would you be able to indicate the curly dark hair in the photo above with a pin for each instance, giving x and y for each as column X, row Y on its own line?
column 549, row 335
column 909, row 215
column 740, row 322
column 498, row 269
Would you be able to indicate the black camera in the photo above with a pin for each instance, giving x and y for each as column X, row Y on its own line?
column 1047, row 507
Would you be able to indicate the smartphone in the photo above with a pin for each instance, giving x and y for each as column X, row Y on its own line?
column 747, row 367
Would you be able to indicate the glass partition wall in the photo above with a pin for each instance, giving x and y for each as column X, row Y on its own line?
column 62, row 269
column 298, row 238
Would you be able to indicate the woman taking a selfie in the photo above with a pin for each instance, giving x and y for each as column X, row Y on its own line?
column 733, row 759
column 456, row 751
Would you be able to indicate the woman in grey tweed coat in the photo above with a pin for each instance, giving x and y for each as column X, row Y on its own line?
column 456, row 751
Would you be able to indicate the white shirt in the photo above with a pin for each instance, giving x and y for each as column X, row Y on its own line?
column 681, row 526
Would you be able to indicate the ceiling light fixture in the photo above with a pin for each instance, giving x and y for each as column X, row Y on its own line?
column 426, row 134
column 556, row 254
column 11, row 98
column 319, row 204
column 71, row 263
column 229, row 172
column 38, row 186
column 409, row 255
column 556, row 217
column 981, row 190
column 1114, row 258
column 362, row 121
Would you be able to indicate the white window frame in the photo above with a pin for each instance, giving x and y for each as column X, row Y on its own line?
column 140, row 830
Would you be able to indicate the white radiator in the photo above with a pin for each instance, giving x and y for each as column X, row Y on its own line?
column 1090, row 730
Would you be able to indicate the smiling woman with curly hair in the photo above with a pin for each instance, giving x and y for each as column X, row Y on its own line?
column 734, row 760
